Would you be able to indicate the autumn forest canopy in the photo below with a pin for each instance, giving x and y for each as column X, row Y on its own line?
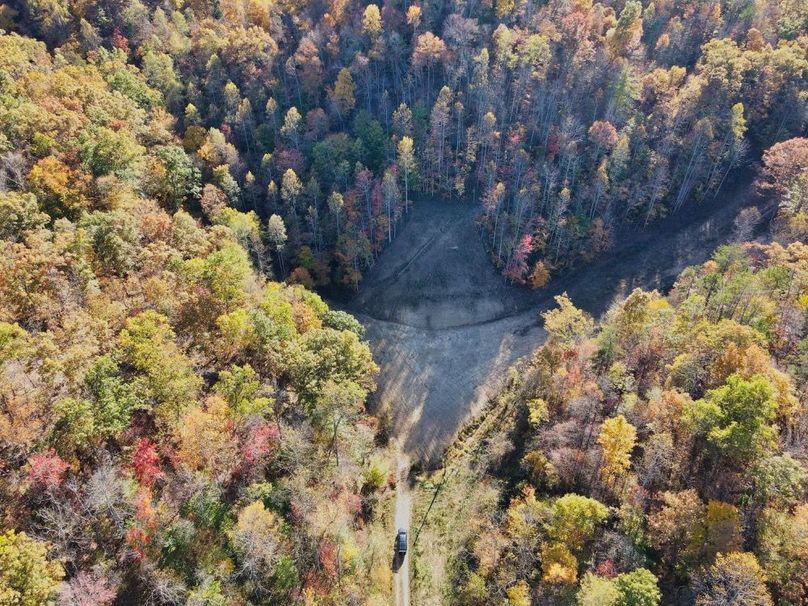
column 183, row 418
column 561, row 120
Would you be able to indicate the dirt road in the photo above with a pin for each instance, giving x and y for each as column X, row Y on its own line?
column 401, row 567
column 444, row 326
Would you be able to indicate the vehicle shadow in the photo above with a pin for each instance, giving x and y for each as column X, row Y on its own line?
column 398, row 560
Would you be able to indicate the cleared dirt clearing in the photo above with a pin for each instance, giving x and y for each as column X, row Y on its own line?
column 444, row 326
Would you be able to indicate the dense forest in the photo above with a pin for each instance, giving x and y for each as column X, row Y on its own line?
column 174, row 428
column 561, row 119
column 183, row 419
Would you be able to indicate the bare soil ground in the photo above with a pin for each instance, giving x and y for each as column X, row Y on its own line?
column 444, row 326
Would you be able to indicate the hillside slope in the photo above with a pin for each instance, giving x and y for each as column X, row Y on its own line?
column 660, row 455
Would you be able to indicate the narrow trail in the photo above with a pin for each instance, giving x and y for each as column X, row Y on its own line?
column 401, row 567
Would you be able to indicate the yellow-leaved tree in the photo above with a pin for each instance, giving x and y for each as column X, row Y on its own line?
column 617, row 438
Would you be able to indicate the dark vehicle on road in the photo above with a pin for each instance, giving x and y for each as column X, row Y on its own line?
column 401, row 542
